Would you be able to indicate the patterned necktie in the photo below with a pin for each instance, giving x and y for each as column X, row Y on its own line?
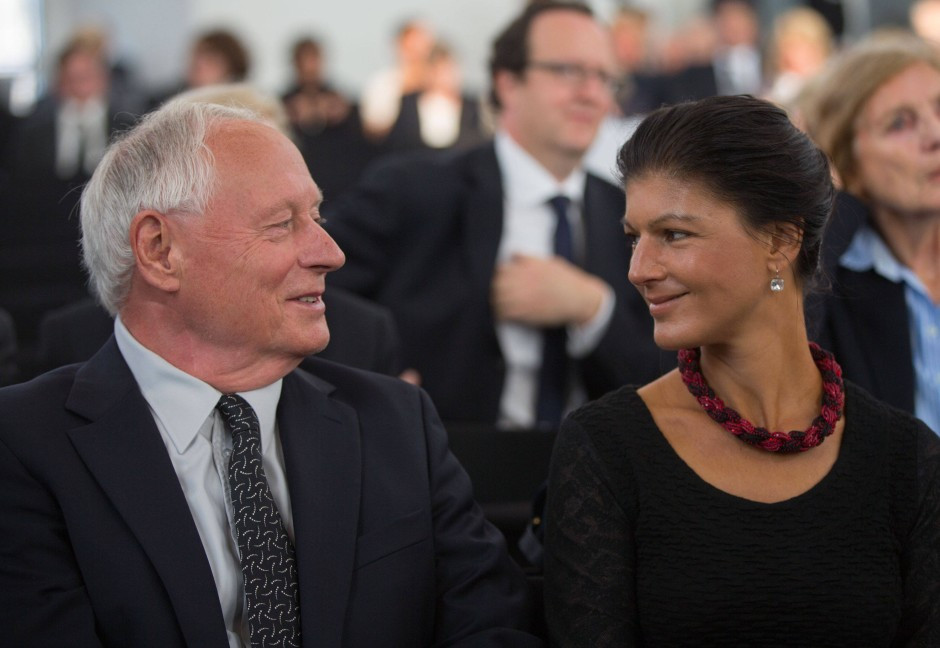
column 553, row 374
column 266, row 553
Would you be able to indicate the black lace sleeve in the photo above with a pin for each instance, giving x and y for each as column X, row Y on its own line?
column 589, row 563
column 921, row 564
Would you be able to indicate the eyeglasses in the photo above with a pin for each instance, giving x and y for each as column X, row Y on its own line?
column 575, row 74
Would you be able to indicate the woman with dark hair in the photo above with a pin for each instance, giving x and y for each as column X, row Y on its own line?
column 682, row 513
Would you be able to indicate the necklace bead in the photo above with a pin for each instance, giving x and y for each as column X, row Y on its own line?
column 833, row 400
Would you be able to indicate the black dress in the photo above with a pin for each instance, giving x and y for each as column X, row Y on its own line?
column 640, row 551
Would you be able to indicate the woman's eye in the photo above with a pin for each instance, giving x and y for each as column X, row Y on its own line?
column 675, row 235
column 900, row 122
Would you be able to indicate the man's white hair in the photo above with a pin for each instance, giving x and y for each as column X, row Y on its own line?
column 162, row 164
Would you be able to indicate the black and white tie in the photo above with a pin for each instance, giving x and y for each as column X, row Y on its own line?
column 266, row 553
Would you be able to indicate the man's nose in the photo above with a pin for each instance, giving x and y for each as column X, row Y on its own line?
column 319, row 250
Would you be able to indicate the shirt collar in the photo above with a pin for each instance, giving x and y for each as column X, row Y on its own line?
column 526, row 182
column 180, row 401
column 868, row 251
column 88, row 110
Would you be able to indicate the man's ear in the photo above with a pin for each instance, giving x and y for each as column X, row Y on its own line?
column 152, row 244
column 504, row 83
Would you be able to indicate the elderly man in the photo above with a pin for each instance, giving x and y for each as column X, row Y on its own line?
column 505, row 266
column 189, row 485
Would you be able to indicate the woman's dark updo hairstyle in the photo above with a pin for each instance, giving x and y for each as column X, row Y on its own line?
column 745, row 152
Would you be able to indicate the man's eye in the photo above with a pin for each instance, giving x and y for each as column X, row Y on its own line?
column 571, row 72
column 675, row 235
column 632, row 240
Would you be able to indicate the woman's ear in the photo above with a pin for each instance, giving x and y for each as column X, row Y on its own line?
column 785, row 242
column 152, row 244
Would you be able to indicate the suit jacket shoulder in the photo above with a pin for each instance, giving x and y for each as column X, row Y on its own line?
column 861, row 316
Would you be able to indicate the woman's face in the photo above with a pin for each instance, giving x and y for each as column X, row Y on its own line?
column 897, row 144
column 703, row 276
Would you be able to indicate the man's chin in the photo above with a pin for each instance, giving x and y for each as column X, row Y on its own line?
column 308, row 345
column 319, row 343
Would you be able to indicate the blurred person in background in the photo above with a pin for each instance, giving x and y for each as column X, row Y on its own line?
column 801, row 43
column 440, row 115
column 216, row 56
column 311, row 101
column 876, row 113
column 381, row 98
column 53, row 152
column 734, row 65
column 325, row 124
column 124, row 93
column 639, row 92
column 925, row 20
column 503, row 264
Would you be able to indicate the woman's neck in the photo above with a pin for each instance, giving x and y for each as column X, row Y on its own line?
column 773, row 382
column 915, row 242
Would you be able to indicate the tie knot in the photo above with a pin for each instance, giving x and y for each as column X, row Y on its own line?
column 562, row 240
column 238, row 415
column 560, row 205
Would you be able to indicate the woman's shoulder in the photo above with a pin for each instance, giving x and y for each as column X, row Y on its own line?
column 616, row 421
column 868, row 414
column 613, row 409
column 910, row 449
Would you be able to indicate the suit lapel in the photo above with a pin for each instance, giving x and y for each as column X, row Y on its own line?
column 122, row 448
column 604, row 241
column 322, row 456
column 482, row 215
column 877, row 310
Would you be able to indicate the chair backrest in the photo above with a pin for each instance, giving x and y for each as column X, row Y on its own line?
column 507, row 469
column 504, row 465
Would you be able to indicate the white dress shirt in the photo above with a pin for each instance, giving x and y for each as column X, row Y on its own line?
column 439, row 119
column 529, row 229
column 738, row 70
column 183, row 407
column 81, row 136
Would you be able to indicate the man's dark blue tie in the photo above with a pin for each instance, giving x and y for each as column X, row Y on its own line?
column 266, row 553
column 553, row 375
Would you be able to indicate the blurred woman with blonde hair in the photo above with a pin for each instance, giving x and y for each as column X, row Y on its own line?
column 876, row 113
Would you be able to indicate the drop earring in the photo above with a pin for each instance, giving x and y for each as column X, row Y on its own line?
column 776, row 284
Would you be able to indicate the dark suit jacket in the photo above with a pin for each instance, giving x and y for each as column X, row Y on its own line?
column 689, row 84
column 98, row 546
column 862, row 317
column 421, row 233
column 7, row 349
column 362, row 334
column 405, row 134
column 40, row 266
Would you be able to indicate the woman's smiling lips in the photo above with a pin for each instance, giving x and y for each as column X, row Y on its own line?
column 659, row 304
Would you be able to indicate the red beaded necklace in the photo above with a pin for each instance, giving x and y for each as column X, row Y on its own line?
column 795, row 441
